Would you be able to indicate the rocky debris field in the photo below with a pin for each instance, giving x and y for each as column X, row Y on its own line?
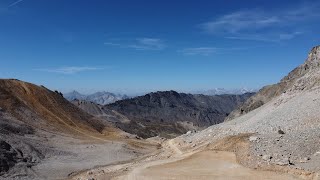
column 298, row 150
column 18, row 153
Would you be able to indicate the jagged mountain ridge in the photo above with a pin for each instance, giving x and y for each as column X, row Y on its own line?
column 221, row 91
column 169, row 113
column 102, row 98
column 74, row 95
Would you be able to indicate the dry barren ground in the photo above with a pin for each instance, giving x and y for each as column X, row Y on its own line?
column 207, row 165
column 172, row 163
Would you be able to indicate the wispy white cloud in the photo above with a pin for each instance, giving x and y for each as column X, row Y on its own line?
column 140, row 44
column 240, row 21
column 111, row 44
column 15, row 3
column 287, row 36
column 148, row 44
column 69, row 69
column 253, row 37
column 270, row 37
column 260, row 25
column 207, row 51
column 204, row 51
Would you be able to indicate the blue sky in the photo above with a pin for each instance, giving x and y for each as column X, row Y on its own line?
column 139, row 46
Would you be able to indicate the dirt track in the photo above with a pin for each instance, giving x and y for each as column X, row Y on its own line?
column 174, row 164
column 206, row 165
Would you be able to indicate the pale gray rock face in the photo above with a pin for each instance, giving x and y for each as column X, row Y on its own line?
column 101, row 98
column 104, row 98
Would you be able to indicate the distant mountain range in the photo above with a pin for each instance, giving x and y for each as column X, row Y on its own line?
column 220, row 91
column 102, row 98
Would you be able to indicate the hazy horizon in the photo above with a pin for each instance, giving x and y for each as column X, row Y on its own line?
column 137, row 93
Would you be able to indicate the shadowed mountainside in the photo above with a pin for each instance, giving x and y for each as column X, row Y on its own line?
column 169, row 113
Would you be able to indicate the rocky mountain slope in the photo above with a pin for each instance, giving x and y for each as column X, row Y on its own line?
column 102, row 98
column 170, row 113
column 37, row 124
column 41, row 108
column 281, row 132
column 267, row 93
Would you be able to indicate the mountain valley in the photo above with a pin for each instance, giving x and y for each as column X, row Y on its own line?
column 279, row 136
column 274, row 132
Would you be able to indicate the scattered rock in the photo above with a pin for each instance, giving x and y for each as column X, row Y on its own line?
column 102, row 171
column 266, row 157
column 317, row 153
column 280, row 136
column 253, row 138
column 282, row 162
column 304, row 160
column 281, row 131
